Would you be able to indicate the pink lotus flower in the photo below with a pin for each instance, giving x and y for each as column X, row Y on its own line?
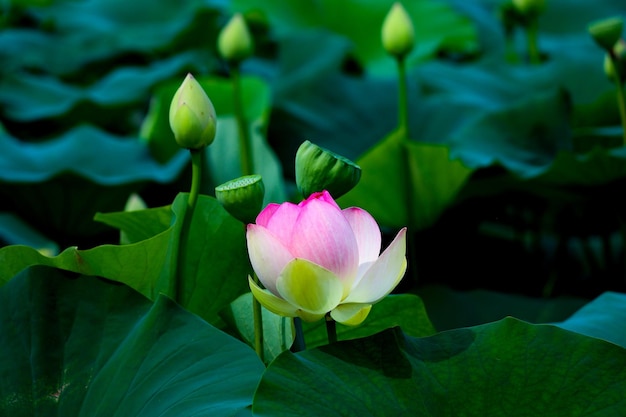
column 314, row 258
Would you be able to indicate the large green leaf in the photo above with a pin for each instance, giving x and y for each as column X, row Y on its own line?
column 82, row 346
column 505, row 368
column 140, row 224
column 437, row 25
column 404, row 310
column 406, row 183
column 215, row 270
column 223, row 162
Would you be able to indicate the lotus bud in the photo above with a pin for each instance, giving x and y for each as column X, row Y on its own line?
column 398, row 35
column 192, row 115
column 242, row 197
column 235, row 42
column 530, row 8
column 619, row 51
column 607, row 32
column 319, row 169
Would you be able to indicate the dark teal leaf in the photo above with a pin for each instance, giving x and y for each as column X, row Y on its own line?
column 598, row 166
column 14, row 231
column 602, row 318
column 450, row 309
column 93, row 170
column 85, row 32
column 505, row 368
column 27, row 97
column 524, row 138
column 82, row 346
column 85, row 151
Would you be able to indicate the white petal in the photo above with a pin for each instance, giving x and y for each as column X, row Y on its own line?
column 366, row 232
column 383, row 276
column 268, row 255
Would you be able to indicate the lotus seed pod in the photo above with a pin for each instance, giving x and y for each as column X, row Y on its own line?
column 620, row 56
column 242, row 197
column 530, row 7
column 398, row 34
column 319, row 169
column 235, row 42
column 192, row 115
column 607, row 32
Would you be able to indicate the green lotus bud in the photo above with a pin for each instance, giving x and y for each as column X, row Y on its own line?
column 319, row 169
column 530, row 7
column 619, row 51
column 242, row 197
column 235, row 42
column 398, row 35
column 607, row 32
column 192, row 115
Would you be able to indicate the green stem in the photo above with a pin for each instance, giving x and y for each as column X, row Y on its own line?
column 257, row 315
column 532, row 34
column 181, row 243
column 331, row 329
column 403, row 102
column 299, row 343
column 621, row 98
column 245, row 146
column 409, row 166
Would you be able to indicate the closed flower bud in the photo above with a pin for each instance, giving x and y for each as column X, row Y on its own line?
column 530, row 7
column 192, row 116
column 606, row 32
column 319, row 169
column 398, row 35
column 235, row 42
column 242, row 197
column 620, row 57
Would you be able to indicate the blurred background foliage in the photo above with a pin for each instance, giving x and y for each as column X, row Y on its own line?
column 520, row 167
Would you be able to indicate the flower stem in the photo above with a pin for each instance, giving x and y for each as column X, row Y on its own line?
column 621, row 98
column 245, row 145
column 532, row 33
column 299, row 343
column 257, row 315
column 409, row 164
column 331, row 329
column 403, row 102
column 181, row 242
